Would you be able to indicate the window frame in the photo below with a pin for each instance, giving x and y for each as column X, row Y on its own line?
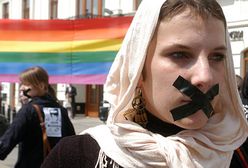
column 85, row 8
column 53, row 9
column 25, row 9
column 5, row 8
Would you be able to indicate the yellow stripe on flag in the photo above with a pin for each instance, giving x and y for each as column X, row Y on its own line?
column 75, row 46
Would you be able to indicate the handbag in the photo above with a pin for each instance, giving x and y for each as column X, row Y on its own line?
column 46, row 145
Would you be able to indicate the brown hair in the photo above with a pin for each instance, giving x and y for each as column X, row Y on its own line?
column 202, row 8
column 37, row 76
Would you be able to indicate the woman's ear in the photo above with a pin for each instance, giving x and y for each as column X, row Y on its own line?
column 42, row 86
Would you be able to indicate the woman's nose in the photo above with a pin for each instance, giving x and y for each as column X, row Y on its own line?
column 202, row 74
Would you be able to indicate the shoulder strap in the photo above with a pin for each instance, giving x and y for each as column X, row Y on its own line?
column 46, row 145
column 242, row 156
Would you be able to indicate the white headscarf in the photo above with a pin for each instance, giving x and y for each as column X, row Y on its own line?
column 130, row 145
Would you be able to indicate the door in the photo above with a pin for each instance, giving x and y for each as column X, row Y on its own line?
column 94, row 94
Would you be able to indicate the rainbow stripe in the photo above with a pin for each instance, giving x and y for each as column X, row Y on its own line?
column 72, row 51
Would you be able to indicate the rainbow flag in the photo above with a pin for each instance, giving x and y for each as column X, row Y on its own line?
column 72, row 51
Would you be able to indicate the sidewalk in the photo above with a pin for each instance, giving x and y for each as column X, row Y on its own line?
column 80, row 123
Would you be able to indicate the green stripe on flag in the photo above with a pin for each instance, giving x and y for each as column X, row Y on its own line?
column 75, row 57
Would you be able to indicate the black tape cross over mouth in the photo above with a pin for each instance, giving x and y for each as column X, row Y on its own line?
column 199, row 99
column 25, row 93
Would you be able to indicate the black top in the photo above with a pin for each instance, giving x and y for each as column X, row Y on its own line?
column 25, row 130
column 156, row 125
column 81, row 151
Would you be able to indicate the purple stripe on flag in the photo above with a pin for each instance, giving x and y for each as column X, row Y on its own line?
column 76, row 79
column 79, row 79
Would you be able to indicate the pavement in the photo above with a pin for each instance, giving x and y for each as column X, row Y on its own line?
column 80, row 123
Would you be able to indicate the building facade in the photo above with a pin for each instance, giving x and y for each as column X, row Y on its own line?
column 237, row 22
column 89, row 96
column 235, row 12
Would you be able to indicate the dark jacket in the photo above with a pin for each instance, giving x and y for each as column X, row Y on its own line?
column 82, row 151
column 25, row 130
column 3, row 124
column 79, row 151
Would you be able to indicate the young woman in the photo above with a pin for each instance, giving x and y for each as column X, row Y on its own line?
column 26, row 129
column 173, row 96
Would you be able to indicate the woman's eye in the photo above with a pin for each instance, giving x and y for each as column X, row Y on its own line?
column 179, row 55
column 217, row 57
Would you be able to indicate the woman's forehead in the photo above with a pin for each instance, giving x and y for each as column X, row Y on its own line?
column 184, row 22
column 24, row 82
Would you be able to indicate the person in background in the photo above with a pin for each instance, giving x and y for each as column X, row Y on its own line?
column 239, row 81
column 172, row 93
column 242, row 85
column 26, row 129
column 67, row 105
column 244, row 91
column 70, row 94
column 240, row 156
column 244, row 94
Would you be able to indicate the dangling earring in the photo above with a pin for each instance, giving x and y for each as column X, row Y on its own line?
column 138, row 113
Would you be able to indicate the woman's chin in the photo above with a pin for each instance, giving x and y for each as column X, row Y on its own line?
column 194, row 121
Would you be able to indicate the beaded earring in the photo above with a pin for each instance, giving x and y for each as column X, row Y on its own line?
column 138, row 113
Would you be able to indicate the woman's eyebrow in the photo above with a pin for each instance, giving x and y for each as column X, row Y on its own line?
column 180, row 46
column 221, row 48
column 175, row 46
column 185, row 47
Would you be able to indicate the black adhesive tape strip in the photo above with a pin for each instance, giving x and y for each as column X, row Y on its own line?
column 199, row 99
column 184, row 86
column 25, row 93
column 184, row 111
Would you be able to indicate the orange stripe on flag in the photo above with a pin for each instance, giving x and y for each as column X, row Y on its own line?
column 46, row 35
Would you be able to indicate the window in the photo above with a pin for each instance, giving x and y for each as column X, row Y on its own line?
column 78, row 7
column 25, row 9
column 53, row 9
column 136, row 4
column 89, row 8
column 6, row 10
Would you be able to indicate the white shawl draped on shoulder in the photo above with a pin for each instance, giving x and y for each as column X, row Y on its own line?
column 131, row 146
